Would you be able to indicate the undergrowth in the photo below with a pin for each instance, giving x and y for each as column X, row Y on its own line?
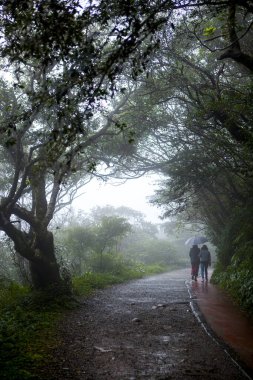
column 26, row 332
column 234, row 269
column 89, row 281
column 237, row 280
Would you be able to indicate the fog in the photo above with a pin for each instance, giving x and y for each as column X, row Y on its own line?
column 134, row 193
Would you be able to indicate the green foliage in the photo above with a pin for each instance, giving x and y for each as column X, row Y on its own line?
column 236, row 275
column 159, row 268
column 25, row 333
column 237, row 279
column 74, row 247
column 9, row 294
column 208, row 31
column 110, row 231
column 12, row 266
column 90, row 281
column 236, row 238
column 150, row 250
column 87, row 283
column 108, row 262
column 225, row 245
column 93, row 246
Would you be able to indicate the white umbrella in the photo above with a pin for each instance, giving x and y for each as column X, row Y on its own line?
column 195, row 240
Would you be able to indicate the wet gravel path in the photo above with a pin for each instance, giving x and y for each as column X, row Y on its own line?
column 145, row 329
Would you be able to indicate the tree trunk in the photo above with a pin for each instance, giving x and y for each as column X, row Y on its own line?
column 38, row 249
column 45, row 271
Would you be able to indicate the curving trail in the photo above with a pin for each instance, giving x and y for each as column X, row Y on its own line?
column 146, row 329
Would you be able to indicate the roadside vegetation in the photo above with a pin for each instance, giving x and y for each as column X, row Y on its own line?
column 27, row 329
column 234, row 270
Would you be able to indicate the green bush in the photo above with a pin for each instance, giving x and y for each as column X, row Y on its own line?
column 11, row 293
column 25, row 332
column 237, row 280
column 234, row 269
column 107, row 262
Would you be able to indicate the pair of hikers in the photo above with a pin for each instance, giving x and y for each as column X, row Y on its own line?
column 200, row 257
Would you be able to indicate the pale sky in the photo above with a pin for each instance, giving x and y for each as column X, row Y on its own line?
column 134, row 194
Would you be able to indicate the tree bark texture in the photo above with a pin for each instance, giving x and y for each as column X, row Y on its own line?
column 44, row 269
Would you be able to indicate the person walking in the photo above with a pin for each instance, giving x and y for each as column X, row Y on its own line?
column 205, row 261
column 194, row 256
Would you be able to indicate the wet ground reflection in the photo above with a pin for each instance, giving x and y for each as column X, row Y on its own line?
column 199, row 287
column 225, row 318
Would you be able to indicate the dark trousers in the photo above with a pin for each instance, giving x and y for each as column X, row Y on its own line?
column 195, row 269
column 203, row 268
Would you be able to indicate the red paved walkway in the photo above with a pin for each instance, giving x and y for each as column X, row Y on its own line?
column 225, row 319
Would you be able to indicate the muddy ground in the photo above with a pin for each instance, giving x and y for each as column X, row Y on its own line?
column 145, row 329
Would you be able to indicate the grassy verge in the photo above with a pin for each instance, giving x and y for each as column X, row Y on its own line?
column 90, row 281
column 26, row 333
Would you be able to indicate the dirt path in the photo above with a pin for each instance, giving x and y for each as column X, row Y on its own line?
column 141, row 330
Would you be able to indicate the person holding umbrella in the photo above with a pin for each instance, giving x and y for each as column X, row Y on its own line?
column 194, row 256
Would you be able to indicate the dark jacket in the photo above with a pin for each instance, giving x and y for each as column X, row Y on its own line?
column 194, row 254
column 205, row 256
